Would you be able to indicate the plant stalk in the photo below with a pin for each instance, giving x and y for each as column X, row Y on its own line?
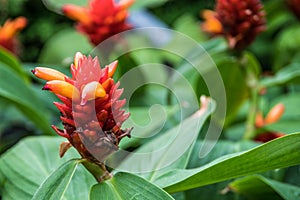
column 98, row 170
column 253, row 86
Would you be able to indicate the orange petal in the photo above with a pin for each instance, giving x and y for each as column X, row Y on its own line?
column 275, row 113
column 62, row 88
column 211, row 24
column 108, row 84
column 12, row 27
column 92, row 91
column 48, row 74
column 112, row 68
column 77, row 13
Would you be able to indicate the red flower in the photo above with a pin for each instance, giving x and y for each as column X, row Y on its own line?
column 239, row 21
column 268, row 136
column 294, row 5
column 90, row 110
column 102, row 19
column 8, row 32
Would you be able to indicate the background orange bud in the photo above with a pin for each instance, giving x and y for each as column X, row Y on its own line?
column 275, row 113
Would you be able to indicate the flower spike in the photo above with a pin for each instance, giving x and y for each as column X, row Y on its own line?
column 101, row 19
column 238, row 21
column 91, row 111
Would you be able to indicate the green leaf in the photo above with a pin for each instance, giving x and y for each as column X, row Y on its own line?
column 55, row 186
column 14, row 89
column 162, row 153
column 285, row 75
column 124, row 186
column 189, row 26
column 56, row 5
column 26, row 166
column 279, row 153
column 56, row 53
column 146, row 121
column 222, row 148
column 259, row 186
column 284, row 126
column 11, row 61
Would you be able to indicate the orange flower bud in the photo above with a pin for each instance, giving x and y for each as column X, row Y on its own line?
column 92, row 91
column 77, row 13
column 62, row 88
column 8, row 33
column 48, row 74
column 112, row 68
column 275, row 113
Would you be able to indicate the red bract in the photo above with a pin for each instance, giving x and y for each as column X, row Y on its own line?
column 294, row 5
column 8, row 33
column 90, row 110
column 241, row 21
column 102, row 19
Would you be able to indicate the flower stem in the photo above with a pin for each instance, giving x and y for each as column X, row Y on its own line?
column 253, row 86
column 98, row 170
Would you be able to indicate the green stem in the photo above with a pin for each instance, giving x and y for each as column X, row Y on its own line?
column 252, row 83
column 98, row 170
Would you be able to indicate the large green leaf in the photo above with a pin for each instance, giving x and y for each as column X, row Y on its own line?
column 146, row 121
column 14, row 89
column 222, row 148
column 27, row 165
column 11, row 61
column 260, row 187
column 55, row 186
column 124, row 186
column 279, row 153
column 61, row 48
column 169, row 150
